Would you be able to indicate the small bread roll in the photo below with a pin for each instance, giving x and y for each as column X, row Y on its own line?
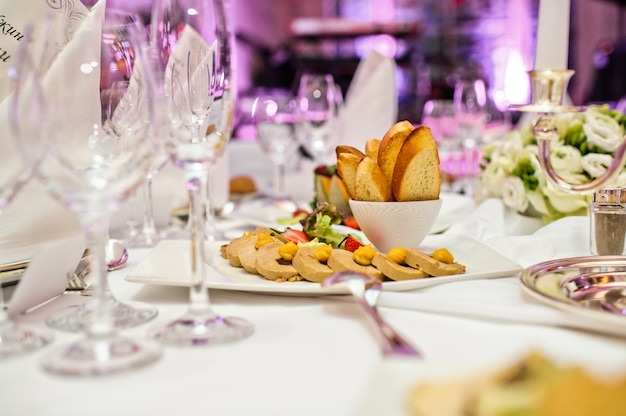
column 242, row 185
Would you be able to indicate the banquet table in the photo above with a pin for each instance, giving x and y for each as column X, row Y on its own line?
column 318, row 355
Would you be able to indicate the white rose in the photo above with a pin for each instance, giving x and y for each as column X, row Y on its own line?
column 596, row 163
column 572, row 177
column 538, row 202
column 566, row 158
column 514, row 194
column 621, row 180
column 564, row 201
column 602, row 130
column 492, row 178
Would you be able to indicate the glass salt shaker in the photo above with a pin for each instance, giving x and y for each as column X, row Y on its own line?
column 608, row 222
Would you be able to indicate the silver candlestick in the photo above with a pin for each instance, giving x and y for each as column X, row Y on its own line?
column 548, row 88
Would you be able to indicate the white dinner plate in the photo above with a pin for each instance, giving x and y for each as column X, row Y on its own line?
column 169, row 264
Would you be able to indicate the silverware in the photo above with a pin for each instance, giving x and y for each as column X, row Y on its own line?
column 116, row 254
column 116, row 258
column 366, row 290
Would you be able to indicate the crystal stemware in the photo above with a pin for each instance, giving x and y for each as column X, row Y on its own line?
column 470, row 99
column 20, row 118
column 99, row 151
column 318, row 100
column 148, row 236
column 440, row 116
column 277, row 119
column 194, row 46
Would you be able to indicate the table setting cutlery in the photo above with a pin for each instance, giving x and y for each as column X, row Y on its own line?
column 365, row 290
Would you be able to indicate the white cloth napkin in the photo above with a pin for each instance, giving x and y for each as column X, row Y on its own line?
column 34, row 217
column 371, row 103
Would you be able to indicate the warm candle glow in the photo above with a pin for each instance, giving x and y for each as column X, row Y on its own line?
column 552, row 34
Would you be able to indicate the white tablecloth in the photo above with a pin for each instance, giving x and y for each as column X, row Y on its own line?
column 316, row 356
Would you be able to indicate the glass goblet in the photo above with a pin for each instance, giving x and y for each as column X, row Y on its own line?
column 470, row 100
column 276, row 119
column 440, row 116
column 122, row 112
column 318, row 98
column 149, row 234
column 194, row 47
column 98, row 153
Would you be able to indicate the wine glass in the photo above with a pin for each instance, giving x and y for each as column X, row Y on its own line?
column 121, row 116
column 276, row 119
column 99, row 151
column 470, row 100
column 20, row 119
column 193, row 43
column 440, row 116
column 149, row 235
column 318, row 100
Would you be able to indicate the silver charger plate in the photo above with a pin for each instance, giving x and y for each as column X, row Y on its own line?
column 592, row 287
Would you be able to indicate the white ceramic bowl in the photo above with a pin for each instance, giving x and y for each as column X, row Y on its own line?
column 395, row 224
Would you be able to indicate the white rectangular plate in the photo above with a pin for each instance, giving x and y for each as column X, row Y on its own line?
column 169, row 264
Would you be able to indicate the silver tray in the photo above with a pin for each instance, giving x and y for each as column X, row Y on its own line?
column 591, row 287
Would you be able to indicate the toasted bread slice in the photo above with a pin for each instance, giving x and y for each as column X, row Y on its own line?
column 371, row 184
column 348, row 149
column 416, row 176
column 347, row 164
column 371, row 149
column 390, row 145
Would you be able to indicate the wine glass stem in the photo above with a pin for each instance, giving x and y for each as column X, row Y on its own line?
column 149, row 227
column 199, row 295
column 279, row 179
column 211, row 224
column 96, row 232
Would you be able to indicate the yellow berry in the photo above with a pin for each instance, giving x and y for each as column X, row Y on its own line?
column 397, row 255
column 443, row 255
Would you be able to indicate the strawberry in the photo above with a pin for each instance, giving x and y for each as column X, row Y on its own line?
column 296, row 236
column 300, row 213
column 351, row 244
column 351, row 222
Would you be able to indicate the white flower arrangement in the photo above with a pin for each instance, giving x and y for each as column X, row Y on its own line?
column 582, row 152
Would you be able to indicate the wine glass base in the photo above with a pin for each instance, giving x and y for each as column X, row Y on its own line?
column 101, row 356
column 125, row 315
column 16, row 340
column 192, row 330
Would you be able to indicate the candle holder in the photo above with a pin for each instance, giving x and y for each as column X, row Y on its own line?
column 548, row 88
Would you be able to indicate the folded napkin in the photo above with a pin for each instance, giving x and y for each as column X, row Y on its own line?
column 371, row 103
column 34, row 218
